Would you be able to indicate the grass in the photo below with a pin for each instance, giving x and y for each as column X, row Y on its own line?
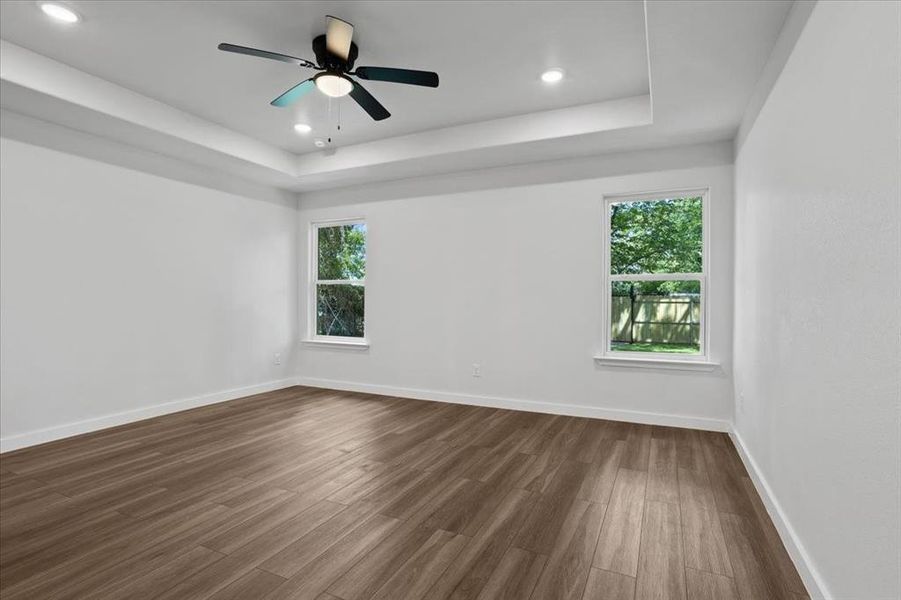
column 655, row 347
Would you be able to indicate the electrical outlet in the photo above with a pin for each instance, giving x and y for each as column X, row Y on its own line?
column 476, row 370
column 278, row 358
column 741, row 402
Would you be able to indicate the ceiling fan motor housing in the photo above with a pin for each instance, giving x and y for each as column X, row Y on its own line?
column 329, row 61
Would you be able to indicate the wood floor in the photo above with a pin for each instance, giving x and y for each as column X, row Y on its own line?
column 308, row 493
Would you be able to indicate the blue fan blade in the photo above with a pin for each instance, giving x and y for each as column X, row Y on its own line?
column 294, row 93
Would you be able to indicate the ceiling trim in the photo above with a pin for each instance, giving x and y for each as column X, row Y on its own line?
column 795, row 20
column 58, row 137
column 33, row 71
column 508, row 131
column 609, row 164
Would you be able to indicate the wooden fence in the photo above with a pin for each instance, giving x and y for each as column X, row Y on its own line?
column 672, row 319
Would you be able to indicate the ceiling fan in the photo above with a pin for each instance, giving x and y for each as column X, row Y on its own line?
column 335, row 56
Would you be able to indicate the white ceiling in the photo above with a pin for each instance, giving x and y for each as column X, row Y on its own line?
column 705, row 57
column 489, row 56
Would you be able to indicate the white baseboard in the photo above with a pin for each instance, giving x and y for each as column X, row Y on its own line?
column 554, row 408
column 816, row 587
column 49, row 434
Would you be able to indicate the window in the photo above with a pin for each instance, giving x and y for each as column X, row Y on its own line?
column 339, row 281
column 656, row 276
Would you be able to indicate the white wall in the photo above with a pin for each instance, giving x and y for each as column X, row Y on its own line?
column 511, row 279
column 122, row 291
column 817, row 352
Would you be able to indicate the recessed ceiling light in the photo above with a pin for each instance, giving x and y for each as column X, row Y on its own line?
column 302, row 128
column 60, row 12
column 552, row 75
column 319, row 143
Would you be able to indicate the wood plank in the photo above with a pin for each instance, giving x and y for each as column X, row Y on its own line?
column 427, row 496
column 694, row 487
column 540, row 472
column 705, row 546
column 253, row 584
column 637, row 452
column 542, row 435
column 541, row 528
column 598, row 484
column 568, row 479
column 467, row 510
column 417, row 575
column 725, row 476
column 292, row 558
column 605, row 585
column 316, row 576
column 565, row 443
column 168, row 575
column 472, row 568
column 266, row 543
column 663, row 483
column 63, row 551
column 566, row 572
column 588, row 447
column 365, row 578
column 513, row 472
column 688, row 450
column 709, row 586
column 661, row 569
column 242, row 533
column 41, row 545
column 146, row 546
column 756, row 574
column 206, row 582
column 621, row 532
column 790, row 576
column 515, row 577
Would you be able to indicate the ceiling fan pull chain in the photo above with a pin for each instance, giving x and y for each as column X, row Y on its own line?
column 330, row 117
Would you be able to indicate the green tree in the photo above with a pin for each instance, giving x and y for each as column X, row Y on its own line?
column 342, row 257
column 659, row 236
column 342, row 252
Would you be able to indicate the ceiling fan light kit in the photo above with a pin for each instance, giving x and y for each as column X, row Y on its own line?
column 335, row 56
column 333, row 84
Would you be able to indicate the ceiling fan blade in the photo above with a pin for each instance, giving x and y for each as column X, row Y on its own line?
column 300, row 62
column 368, row 103
column 294, row 93
column 409, row 76
column 338, row 34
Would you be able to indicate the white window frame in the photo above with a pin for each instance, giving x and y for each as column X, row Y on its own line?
column 700, row 361
column 315, row 282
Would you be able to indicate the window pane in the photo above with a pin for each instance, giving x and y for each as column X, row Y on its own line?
column 656, row 316
column 342, row 251
column 339, row 310
column 657, row 236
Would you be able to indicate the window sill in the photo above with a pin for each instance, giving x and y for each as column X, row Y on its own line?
column 657, row 363
column 349, row 345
